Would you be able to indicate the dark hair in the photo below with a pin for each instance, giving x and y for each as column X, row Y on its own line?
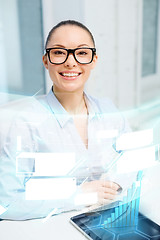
column 68, row 22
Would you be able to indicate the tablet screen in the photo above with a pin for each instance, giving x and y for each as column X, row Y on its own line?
column 92, row 225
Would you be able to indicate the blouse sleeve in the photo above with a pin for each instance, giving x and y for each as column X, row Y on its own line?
column 13, row 186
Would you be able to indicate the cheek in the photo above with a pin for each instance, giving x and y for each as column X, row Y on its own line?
column 88, row 71
column 53, row 71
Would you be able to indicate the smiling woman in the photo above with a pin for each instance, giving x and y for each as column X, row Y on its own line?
column 62, row 129
column 69, row 60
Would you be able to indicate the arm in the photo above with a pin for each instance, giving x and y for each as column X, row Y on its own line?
column 106, row 190
column 12, row 186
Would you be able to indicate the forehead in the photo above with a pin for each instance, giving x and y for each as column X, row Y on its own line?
column 70, row 36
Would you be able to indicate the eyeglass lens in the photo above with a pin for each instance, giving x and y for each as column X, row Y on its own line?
column 82, row 55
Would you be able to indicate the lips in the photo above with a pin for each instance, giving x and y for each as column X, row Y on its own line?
column 70, row 74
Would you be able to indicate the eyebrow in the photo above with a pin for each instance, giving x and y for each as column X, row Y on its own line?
column 59, row 45
column 81, row 45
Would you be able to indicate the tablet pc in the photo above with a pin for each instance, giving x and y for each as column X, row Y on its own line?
column 91, row 224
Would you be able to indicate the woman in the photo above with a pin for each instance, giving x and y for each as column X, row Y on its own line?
column 66, row 120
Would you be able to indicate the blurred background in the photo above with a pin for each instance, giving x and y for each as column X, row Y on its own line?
column 127, row 40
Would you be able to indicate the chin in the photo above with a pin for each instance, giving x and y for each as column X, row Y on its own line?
column 70, row 90
column 73, row 88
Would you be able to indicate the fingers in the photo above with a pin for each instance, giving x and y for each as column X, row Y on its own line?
column 109, row 196
column 109, row 190
column 109, row 193
column 112, row 185
column 106, row 196
column 105, row 190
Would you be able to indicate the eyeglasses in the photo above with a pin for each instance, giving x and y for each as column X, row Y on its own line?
column 60, row 55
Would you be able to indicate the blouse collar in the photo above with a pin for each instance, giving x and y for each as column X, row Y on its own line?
column 62, row 115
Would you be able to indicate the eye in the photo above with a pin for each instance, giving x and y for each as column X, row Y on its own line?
column 58, row 52
column 82, row 53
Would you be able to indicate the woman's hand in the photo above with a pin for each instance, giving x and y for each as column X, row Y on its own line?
column 106, row 190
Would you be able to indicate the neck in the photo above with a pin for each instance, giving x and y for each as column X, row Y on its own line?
column 73, row 102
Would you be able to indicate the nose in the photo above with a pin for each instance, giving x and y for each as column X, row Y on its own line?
column 70, row 62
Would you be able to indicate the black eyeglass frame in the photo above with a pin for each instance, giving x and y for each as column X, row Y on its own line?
column 70, row 51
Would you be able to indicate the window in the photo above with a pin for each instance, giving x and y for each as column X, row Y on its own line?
column 21, row 33
column 149, row 73
column 150, row 37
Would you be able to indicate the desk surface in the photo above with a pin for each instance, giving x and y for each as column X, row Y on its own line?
column 59, row 227
column 55, row 228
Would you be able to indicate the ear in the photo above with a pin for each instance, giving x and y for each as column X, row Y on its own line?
column 94, row 62
column 45, row 61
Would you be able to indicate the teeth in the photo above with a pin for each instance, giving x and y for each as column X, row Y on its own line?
column 70, row 74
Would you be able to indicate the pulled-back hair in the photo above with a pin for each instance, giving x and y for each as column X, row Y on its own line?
column 68, row 22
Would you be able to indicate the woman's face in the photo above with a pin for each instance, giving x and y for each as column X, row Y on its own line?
column 69, row 37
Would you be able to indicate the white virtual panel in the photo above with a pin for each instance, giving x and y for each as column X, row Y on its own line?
column 134, row 140
column 45, row 164
column 136, row 160
column 2, row 209
column 86, row 199
column 50, row 188
column 19, row 144
column 107, row 134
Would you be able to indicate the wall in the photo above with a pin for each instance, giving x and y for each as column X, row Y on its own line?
column 114, row 25
column 9, row 44
column 55, row 11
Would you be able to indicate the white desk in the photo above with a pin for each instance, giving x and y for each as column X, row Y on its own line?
column 55, row 228
column 59, row 227
column 150, row 199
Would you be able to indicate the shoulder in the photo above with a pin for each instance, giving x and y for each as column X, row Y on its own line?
column 109, row 113
column 28, row 109
column 103, row 105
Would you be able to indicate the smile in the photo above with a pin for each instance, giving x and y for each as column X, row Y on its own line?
column 69, row 74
